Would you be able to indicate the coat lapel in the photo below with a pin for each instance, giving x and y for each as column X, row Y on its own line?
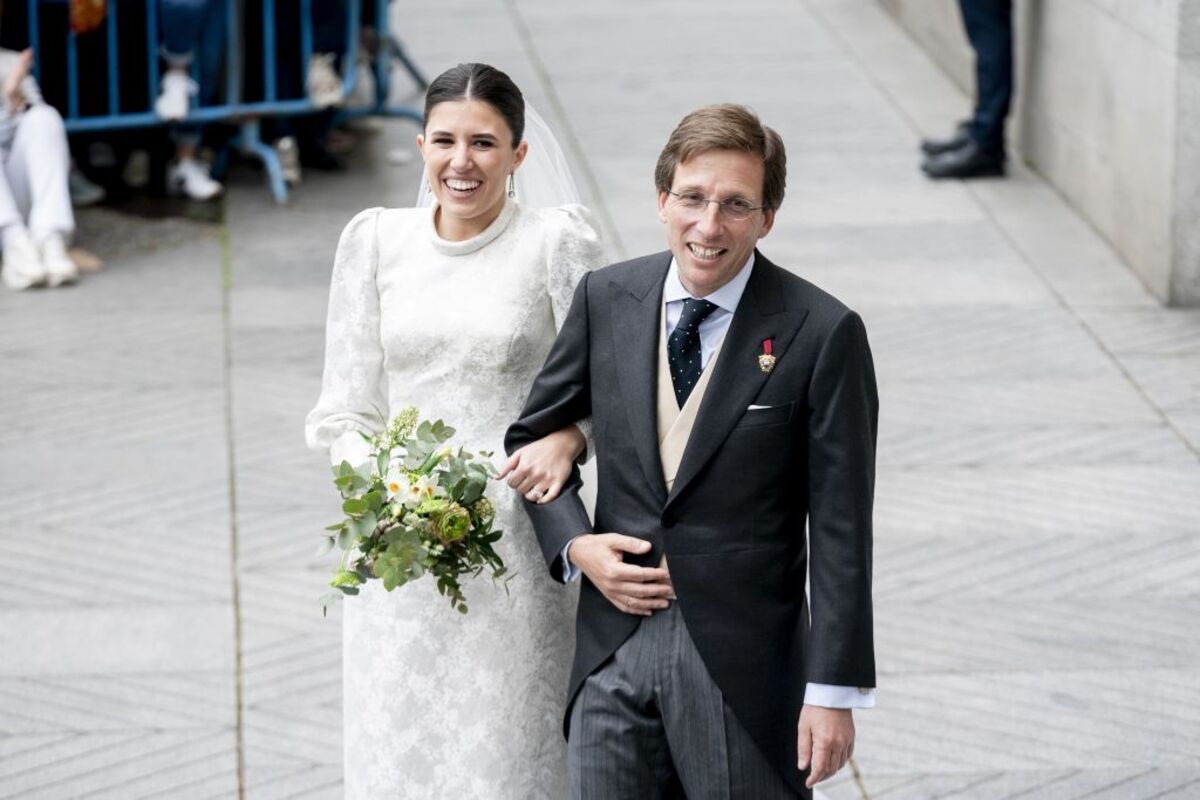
column 761, row 314
column 635, row 320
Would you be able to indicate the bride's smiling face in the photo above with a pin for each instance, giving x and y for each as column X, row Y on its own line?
column 469, row 154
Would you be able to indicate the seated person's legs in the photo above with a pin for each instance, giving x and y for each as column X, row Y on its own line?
column 36, row 189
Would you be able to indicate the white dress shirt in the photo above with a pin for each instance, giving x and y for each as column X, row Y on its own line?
column 712, row 333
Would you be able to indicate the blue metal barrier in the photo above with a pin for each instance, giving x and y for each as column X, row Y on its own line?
column 231, row 109
column 388, row 48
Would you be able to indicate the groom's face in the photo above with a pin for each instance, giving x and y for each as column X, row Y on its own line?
column 709, row 246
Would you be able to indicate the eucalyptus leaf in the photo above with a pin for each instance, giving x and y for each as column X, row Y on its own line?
column 473, row 491
column 362, row 526
column 326, row 545
column 356, row 506
column 329, row 599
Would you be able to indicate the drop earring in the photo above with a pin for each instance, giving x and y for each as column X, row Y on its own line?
column 512, row 186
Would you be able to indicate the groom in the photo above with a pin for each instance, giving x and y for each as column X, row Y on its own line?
column 731, row 402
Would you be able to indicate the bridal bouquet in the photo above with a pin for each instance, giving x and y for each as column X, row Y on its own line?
column 416, row 507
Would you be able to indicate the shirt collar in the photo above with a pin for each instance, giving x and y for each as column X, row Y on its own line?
column 727, row 297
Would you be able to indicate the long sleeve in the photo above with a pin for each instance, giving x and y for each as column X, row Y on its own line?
column 843, row 419
column 578, row 250
column 353, row 397
column 561, row 394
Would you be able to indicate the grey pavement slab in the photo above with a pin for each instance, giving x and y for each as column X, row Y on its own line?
column 1037, row 556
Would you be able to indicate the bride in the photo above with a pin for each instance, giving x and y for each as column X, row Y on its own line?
column 453, row 308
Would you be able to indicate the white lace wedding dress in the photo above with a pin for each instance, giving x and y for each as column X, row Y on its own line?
column 438, row 704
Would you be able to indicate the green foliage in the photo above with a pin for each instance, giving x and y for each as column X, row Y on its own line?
column 361, row 527
column 356, row 506
column 328, row 599
column 347, row 581
column 446, row 531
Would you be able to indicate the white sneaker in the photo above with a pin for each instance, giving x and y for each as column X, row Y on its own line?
column 289, row 158
column 190, row 176
column 59, row 267
column 324, row 84
column 175, row 95
column 22, row 261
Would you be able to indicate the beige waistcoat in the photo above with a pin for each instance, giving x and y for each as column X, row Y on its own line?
column 675, row 423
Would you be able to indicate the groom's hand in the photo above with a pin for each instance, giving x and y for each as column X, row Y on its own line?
column 632, row 589
column 826, row 741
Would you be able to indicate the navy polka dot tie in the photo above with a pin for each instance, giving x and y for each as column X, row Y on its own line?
column 683, row 347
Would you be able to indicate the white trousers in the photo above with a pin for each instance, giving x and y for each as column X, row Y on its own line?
column 33, row 182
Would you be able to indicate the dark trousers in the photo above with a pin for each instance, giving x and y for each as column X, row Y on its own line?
column 989, row 28
column 650, row 724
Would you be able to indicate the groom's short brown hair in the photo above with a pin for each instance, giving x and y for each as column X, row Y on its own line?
column 726, row 126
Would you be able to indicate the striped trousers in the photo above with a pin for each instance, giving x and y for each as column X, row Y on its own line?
column 651, row 723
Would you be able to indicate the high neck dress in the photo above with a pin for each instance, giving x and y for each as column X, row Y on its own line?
column 438, row 704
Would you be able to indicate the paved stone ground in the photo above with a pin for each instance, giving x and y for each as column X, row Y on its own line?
column 1038, row 546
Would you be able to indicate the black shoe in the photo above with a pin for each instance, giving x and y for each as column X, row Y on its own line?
column 968, row 161
column 932, row 147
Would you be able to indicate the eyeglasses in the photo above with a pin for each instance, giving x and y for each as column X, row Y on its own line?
column 737, row 208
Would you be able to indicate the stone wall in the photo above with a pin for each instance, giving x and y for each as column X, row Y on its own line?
column 1107, row 110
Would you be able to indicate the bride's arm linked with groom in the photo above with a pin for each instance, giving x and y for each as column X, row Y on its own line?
column 723, row 629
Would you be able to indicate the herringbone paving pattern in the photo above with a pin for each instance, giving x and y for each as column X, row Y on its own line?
column 1037, row 557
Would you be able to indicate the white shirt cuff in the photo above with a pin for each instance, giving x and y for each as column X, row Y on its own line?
column 827, row 696
column 570, row 572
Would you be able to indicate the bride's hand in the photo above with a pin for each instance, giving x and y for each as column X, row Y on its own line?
column 540, row 469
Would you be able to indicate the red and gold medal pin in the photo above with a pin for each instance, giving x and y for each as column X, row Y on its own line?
column 766, row 359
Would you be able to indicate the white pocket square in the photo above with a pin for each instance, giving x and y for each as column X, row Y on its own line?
column 758, row 408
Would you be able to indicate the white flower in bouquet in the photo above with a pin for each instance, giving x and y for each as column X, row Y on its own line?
column 399, row 487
